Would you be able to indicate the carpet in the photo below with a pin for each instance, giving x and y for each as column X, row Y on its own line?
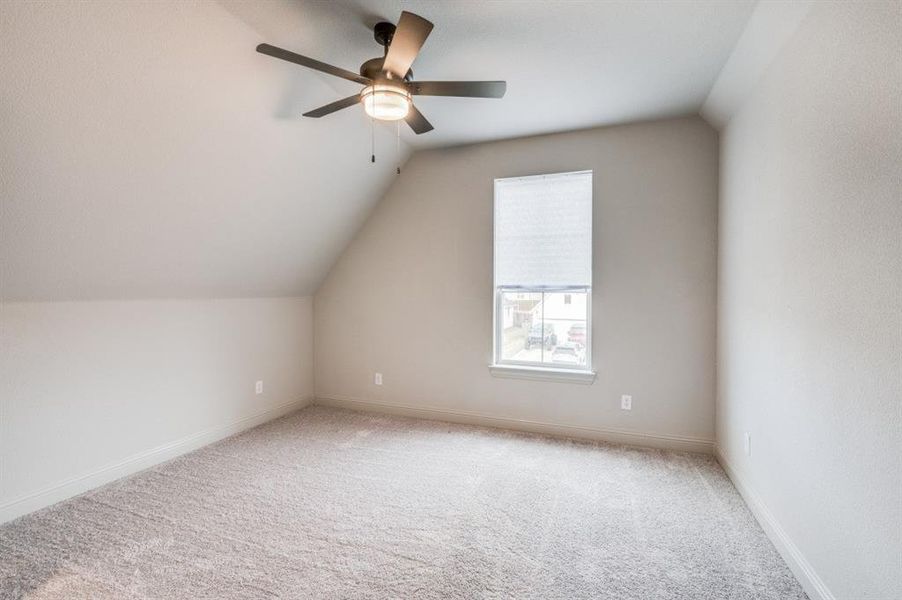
column 328, row 503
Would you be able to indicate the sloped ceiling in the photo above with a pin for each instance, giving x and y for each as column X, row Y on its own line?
column 148, row 151
column 769, row 27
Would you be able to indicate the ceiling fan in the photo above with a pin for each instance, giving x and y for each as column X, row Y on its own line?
column 389, row 85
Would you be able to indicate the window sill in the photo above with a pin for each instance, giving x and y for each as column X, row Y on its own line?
column 542, row 374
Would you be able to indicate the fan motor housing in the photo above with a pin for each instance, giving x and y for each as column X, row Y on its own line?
column 383, row 33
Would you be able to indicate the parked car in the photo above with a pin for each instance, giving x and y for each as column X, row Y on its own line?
column 568, row 353
column 577, row 334
column 540, row 335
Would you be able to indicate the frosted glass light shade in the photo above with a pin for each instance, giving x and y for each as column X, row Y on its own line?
column 385, row 102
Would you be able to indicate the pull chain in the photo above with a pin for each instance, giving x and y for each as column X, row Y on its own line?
column 373, row 139
column 398, row 148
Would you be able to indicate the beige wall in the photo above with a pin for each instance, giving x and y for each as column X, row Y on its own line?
column 411, row 297
column 91, row 391
column 810, row 299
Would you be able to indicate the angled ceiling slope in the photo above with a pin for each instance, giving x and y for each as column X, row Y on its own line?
column 150, row 152
column 147, row 152
column 768, row 29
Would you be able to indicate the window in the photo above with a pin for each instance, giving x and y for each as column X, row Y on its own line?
column 543, row 271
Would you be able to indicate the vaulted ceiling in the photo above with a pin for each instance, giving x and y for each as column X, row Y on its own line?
column 148, row 151
column 568, row 64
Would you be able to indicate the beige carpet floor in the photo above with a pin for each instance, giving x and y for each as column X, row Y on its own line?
column 327, row 503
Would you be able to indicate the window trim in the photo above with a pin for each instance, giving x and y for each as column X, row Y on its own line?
column 506, row 371
column 529, row 369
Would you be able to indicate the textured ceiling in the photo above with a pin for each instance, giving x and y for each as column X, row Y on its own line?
column 569, row 65
column 145, row 153
column 148, row 151
column 769, row 27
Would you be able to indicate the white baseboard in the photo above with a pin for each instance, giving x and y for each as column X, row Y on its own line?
column 813, row 585
column 138, row 462
column 617, row 436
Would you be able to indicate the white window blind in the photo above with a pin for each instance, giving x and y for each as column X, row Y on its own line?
column 543, row 231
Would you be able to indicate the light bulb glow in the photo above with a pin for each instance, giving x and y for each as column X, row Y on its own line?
column 385, row 102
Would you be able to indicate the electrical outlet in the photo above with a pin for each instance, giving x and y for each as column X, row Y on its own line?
column 259, row 387
column 377, row 379
column 626, row 402
column 748, row 443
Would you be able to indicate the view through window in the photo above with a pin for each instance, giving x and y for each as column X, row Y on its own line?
column 543, row 270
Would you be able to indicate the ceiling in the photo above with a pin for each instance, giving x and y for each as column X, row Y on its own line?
column 569, row 65
column 148, row 151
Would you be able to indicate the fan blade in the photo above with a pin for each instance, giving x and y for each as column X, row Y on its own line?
column 417, row 121
column 467, row 89
column 406, row 42
column 312, row 64
column 336, row 106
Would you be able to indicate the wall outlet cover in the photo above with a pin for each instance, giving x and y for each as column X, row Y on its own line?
column 259, row 387
column 626, row 402
column 377, row 379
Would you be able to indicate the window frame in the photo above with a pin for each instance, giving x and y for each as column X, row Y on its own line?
column 498, row 328
column 532, row 369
